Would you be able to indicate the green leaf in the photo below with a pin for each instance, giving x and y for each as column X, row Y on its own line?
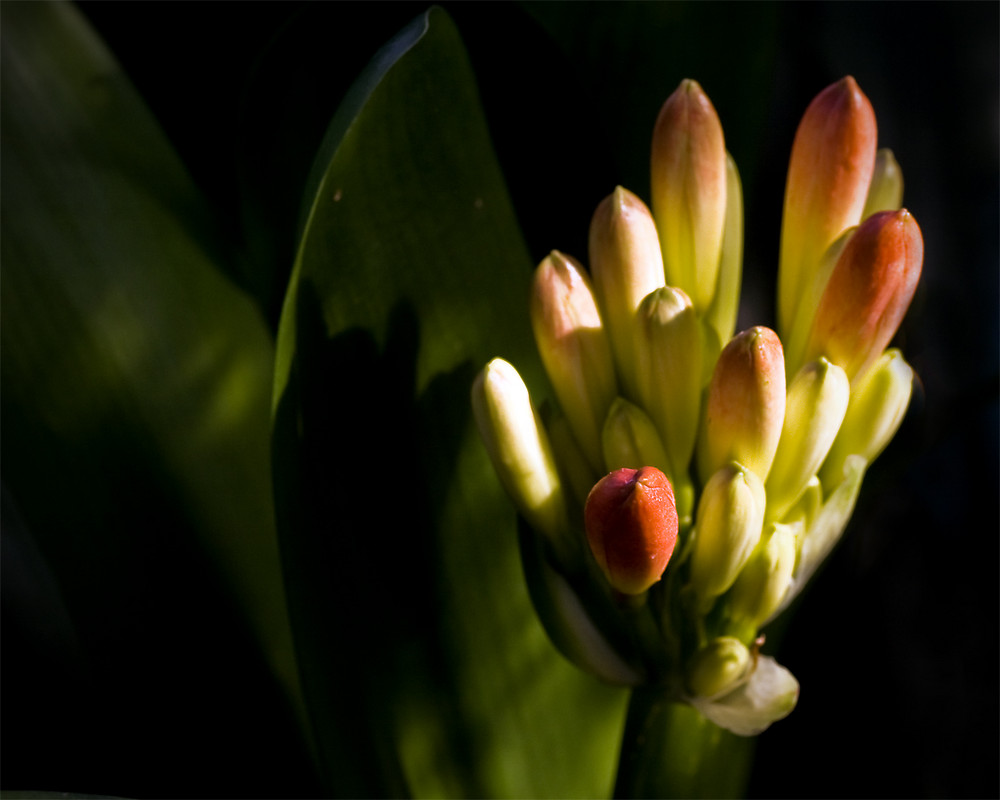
column 136, row 377
column 424, row 665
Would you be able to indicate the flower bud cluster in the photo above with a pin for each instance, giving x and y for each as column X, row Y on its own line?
column 689, row 479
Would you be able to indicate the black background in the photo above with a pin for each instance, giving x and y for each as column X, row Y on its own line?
column 896, row 642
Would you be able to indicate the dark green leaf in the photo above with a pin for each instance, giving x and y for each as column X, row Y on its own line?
column 136, row 377
column 424, row 665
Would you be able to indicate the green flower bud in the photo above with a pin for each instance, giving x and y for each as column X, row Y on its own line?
column 625, row 265
column 630, row 439
column 717, row 667
column 668, row 355
column 763, row 582
column 878, row 404
column 631, row 524
column 815, row 407
column 574, row 470
column 728, row 525
column 574, row 348
column 519, row 448
column 689, row 191
column 745, row 408
column 886, row 191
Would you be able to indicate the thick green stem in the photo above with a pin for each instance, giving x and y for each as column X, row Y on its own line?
column 670, row 750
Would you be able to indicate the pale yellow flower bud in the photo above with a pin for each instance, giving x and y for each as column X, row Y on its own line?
column 814, row 409
column 630, row 439
column 763, row 582
column 728, row 525
column 625, row 266
column 721, row 315
column 717, row 667
column 745, row 407
column 519, row 448
column 878, row 404
column 574, row 348
column 886, row 190
column 668, row 356
column 689, row 191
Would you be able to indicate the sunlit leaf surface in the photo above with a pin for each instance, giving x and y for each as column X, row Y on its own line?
column 424, row 665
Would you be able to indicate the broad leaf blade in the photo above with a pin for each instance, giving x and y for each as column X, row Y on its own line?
column 136, row 378
column 423, row 663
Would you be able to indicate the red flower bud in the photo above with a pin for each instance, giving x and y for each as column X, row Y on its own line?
column 631, row 522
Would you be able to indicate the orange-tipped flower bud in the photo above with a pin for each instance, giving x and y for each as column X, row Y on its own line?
column 689, row 191
column 626, row 265
column 631, row 523
column 868, row 293
column 831, row 167
column 574, row 348
column 746, row 404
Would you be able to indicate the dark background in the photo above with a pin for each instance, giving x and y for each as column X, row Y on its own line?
column 895, row 643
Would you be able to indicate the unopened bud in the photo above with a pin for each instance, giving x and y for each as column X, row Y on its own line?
column 814, row 410
column 519, row 448
column 631, row 524
column 746, row 404
column 630, row 439
column 763, row 582
column 574, row 348
column 833, row 157
column 721, row 315
column 878, row 404
column 717, row 667
column 886, row 190
column 689, row 191
column 669, row 359
column 625, row 265
column 728, row 525
column 868, row 292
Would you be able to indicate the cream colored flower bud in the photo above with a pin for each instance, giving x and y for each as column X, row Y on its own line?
column 689, row 191
column 574, row 348
column 630, row 439
column 745, row 407
column 519, row 448
column 878, row 404
column 668, row 355
column 763, row 582
column 814, row 410
column 886, row 190
column 728, row 525
column 721, row 315
column 717, row 667
column 625, row 266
